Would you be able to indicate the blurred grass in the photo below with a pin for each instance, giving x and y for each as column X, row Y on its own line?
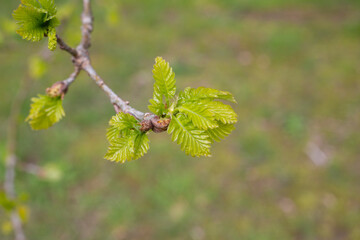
column 293, row 67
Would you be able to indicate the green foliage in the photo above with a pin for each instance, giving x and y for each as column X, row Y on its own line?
column 164, row 86
column 295, row 199
column 197, row 119
column 45, row 111
column 199, row 114
column 220, row 132
column 221, row 112
column 191, row 139
column 35, row 19
column 121, row 124
column 202, row 93
column 157, row 106
column 126, row 140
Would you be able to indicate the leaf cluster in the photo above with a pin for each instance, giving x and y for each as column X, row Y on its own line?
column 198, row 118
column 36, row 19
column 45, row 111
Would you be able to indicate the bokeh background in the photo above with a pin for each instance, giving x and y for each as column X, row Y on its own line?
column 290, row 170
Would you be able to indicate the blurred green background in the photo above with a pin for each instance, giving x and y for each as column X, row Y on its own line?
column 290, row 170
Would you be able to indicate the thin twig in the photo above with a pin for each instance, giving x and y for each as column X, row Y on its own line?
column 60, row 88
column 81, row 59
column 65, row 47
column 72, row 76
column 114, row 99
column 84, row 60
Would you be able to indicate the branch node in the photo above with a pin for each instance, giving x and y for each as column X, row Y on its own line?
column 153, row 122
column 57, row 89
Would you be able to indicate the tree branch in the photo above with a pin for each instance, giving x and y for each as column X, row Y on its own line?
column 114, row 99
column 81, row 60
column 72, row 76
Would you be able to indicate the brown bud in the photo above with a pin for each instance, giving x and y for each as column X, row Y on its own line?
column 145, row 125
column 160, row 125
column 57, row 89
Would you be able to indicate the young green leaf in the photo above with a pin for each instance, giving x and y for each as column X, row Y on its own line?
column 164, row 86
column 130, row 146
column 121, row 123
column 44, row 6
column 121, row 149
column 164, row 78
column 202, row 93
column 200, row 116
column 126, row 140
column 45, row 111
column 112, row 133
column 192, row 140
column 157, row 106
column 216, row 134
column 141, row 145
column 35, row 19
column 221, row 111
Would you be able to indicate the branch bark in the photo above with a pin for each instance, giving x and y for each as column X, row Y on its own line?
column 87, row 25
column 114, row 99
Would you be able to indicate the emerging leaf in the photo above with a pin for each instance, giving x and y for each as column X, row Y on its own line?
column 192, row 140
column 164, row 86
column 35, row 19
column 128, row 147
column 141, row 145
column 164, row 78
column 157, row 106
column 121, row 123
column 222, row 112
column 121, row 149
column 126, row 140
column 197, row 119
column 216, row 134
column 45, row 111
column 200, row 116
column 202, row 93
